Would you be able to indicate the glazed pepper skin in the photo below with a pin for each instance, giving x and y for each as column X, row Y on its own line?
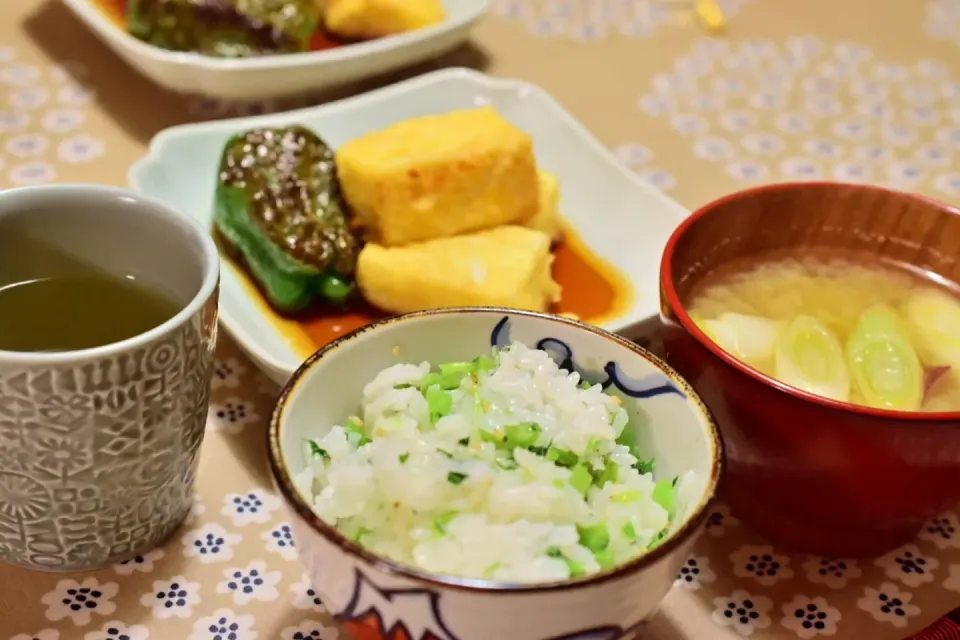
column 225, row 28
column 279, row 208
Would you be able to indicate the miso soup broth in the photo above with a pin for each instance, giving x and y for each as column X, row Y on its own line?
column 863, row 332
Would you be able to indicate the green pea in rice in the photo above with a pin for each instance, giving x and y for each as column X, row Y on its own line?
column 506, row 468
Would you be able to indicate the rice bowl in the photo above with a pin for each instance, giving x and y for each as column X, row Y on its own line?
column 506, row 467
column 465, row 515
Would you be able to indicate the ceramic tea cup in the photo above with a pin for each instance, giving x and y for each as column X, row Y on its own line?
column 99, row 446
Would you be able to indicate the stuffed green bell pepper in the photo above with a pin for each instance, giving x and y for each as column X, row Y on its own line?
column 280, row 208
column 225, row 28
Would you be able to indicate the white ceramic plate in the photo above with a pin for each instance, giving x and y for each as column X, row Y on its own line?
column 275, row 76
column 620, row 216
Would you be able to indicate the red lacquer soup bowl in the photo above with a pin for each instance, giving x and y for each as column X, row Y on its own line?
column 813, row 474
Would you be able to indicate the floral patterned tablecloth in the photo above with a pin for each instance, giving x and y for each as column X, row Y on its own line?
column 859, row 90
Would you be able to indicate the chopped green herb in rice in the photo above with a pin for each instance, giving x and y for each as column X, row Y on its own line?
column 504, row 467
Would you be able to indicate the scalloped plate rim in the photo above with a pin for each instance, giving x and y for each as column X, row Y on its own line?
column 186, row 71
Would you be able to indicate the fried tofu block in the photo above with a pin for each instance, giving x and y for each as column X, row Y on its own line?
column 547, row 218
column 507, row 266
column 439, row 176
column 366, row 19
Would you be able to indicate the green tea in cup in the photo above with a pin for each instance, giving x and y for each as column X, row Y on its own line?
column 52, row 301
column 108, row 324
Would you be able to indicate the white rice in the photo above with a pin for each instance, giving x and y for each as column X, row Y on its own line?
column 436, row 495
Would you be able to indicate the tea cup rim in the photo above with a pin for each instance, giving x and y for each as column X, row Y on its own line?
column 24, row 197
column 669, row 292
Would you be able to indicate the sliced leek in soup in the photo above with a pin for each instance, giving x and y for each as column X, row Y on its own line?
column 850, row 330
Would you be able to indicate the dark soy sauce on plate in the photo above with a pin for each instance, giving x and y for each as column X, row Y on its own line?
column 52, row 302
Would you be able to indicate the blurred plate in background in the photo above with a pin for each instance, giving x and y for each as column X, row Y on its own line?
column 274, row 76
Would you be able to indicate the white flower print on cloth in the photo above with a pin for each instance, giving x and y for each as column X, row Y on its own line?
column 310, row 630
column 587, row 21
column 820, row 148
column 32, row 173
column 742, row 611
column 943, row 20
column 852, row 52
column 689, row 124
column 116, row 630
column 851, row 129
column 633, row 154
column 890, row 72
column 280, row 540
column 713, row 148
column 762, row 564
column 305, row 596
column 933, row 155
column 872, row 153
column 173, row 598
column 832, row 572
column 810, row 617
column 748, row 171
column 254, row 506
column 888, row 604
column 655, row 105
column 694, row 573
column 762, row 143
column 227, row 373
column 13, row 121
column 737, row 121
column 908, row 565
column 852, row 172
column 224, row 624
column 932, row 69
column 80, row 148
column 254, row 582
column 925, row 116
column 767, row 101
column 63, row 120
column 25, row 145
column 793, row 123
column 143, row 563
column 19, row 74
column 662, row 180
column 900, row 111
column 820, row 85
column 43, row 634
column 707, row 102
column 875, row 110
column 210, row 543
column 79, row 600
column 952, row 583
column 800, row 169
column 942, row 530
column 75, row 95
column 949, row 137
column 29, row 97
column 720, row 520
column 918, row 93
column 948, row 183
column 896, row 135
column 232, row 415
